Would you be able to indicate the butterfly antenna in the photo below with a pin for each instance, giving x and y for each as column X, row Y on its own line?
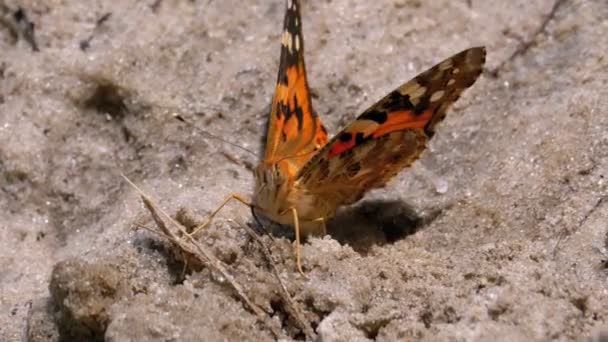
column 209, row 135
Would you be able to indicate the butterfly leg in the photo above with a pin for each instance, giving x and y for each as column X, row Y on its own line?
column 210, row 218
column 296, row 227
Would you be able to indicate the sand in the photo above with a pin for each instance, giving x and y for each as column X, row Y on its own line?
column 497, row 233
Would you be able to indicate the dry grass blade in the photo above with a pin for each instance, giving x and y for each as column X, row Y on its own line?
column 525, row 45
column 290, row 304
column 196, row 250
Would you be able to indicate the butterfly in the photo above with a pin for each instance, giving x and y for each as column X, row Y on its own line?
column 304, row 177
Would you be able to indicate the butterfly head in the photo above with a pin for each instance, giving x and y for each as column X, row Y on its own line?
column 265, row 174
column 273, row 175
column 273, row 183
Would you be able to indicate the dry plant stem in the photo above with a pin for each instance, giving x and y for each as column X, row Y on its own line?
column 527, row 44
column 28, row 322
column 564, row 233
column 194, row 248
column 206, row 257
column 151, row 230
column 292, row 307
column 19, row 24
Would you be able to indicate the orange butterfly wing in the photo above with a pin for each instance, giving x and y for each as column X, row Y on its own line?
column 391, row 134
column 294, row 131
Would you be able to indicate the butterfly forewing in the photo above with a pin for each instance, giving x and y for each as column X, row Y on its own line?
column 294, row 129
column 391, row 134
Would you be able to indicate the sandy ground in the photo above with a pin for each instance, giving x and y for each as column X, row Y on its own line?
column 498, row 233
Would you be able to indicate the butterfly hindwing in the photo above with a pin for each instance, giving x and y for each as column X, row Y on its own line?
column 294, row 129
column 391, row 134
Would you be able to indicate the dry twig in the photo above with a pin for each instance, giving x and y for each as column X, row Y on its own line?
column 19, row 24
column 196, row 250
column 292, row 307
column 564, row 233
column 525, row 45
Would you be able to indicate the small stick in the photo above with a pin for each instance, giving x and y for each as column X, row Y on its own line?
column 19, row 25
column 195, row 249
column 292, row 306
column 86, row 43
column 28, row 322
column 563, row 233
column 151, row 230
column 527, row 44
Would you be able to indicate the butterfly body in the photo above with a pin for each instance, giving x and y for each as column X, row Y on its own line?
column 278, row 191
column 304, row 177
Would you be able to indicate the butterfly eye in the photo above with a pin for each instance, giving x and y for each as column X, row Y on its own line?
column 277, row 173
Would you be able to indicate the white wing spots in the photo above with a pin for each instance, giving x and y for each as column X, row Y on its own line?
column 412, row 89
column 289, row 3
column 455, row 71
column 291, row 41
column 287, row 40
column 451, row 81
column 417, row 93
column 296, row 39
column 437, row 95
column 445, row 65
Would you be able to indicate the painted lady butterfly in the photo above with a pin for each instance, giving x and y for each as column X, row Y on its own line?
column 304, row 178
